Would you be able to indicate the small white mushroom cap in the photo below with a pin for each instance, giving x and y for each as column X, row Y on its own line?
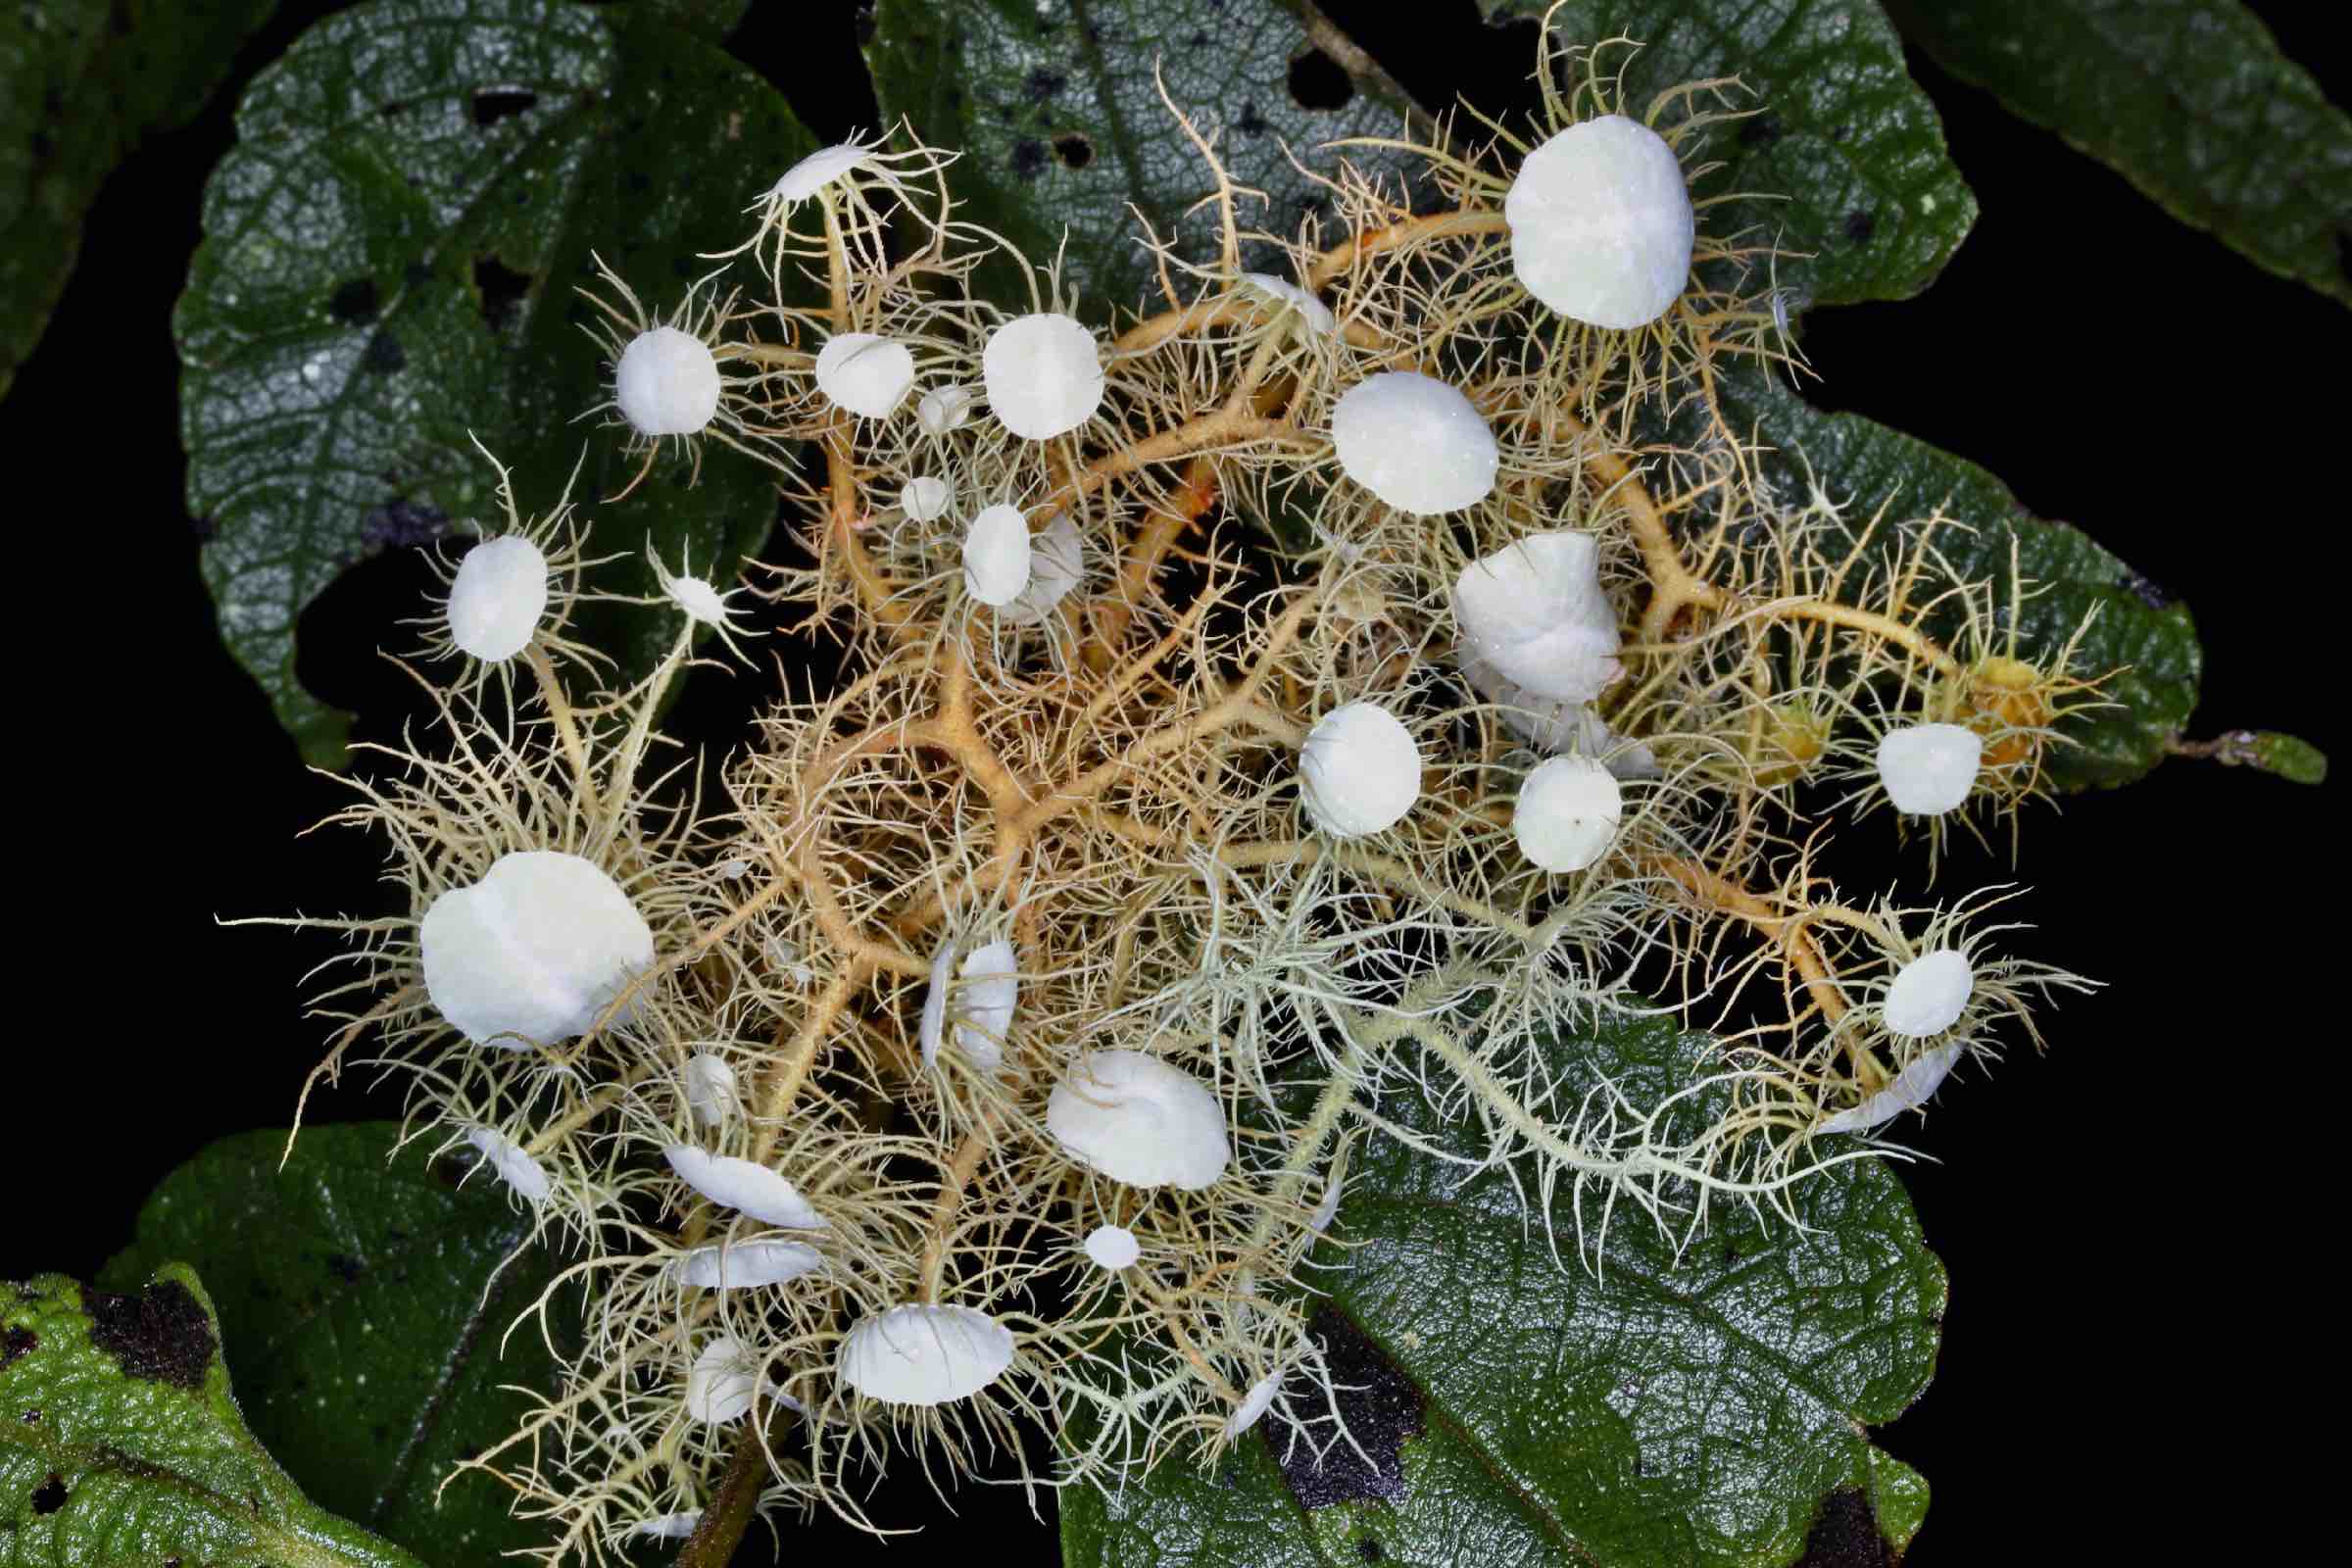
column 742, row 1186
column 710, row 1087
column 497, row 598
column 666, row 383
column 926, row 498
column 721, row 1384
column 925, row 1356
column 536, row 948
column 1568, row 813
column 1112, row 1247
column 983, row 1004
column 1929, row 994
column 1601, row 223
column 668, row 1526
column 1415, row 442
column 866, row 373
column 1043, row 375
column 944, row 409
column 700, row 600
column 1536, row 612
column 1328, row 1208
column 1909, row 1091
column 743, row 1265
column 1254, row 1404
column 1140, row 1120
column 1057, row 564
column 1360, row 772
column 1313, row 314
column 512, row 1163
column 1929, row 769
column 997, row 555
column 818, row 170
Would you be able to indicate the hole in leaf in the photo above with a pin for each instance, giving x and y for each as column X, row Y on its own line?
column 51, row 1496
column 1318, row 82
column 494, row 104
column 1074, row 150
column 501, row 289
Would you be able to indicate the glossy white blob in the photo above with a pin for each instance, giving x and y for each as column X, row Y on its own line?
column 743, row 1265
column 513, row 1165
column 1254, row 1403
column 744, row 1187
column 1929, row 994
column 710, row 1087
column 1415, row 442
column 818, row 170
column 701, row 600
column 666, row 383
column 1139, row 1120
column 997, row 555
column 924, row 1355
column 1112, row 1247
column 1536, row 613
column 1313, row 314
column 1360, row 772
column 944, row 409
column 668, row 1526
column 1929, row 769
column 535, row 949
column 1909, row 1091
column 721, row 1384
column 1057, row 564
column 926, row 498
column 1601, row 224
column 1043, row 375
column 497, row 598
column 866, row 374
column 1568, row 813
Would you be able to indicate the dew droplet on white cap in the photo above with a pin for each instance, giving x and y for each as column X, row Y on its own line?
column 497, row 598
column 1360, row 772
column 925, row 1356
column 1929, row 769
column 1601, row 223
column 1535, row 611
column 868, row 375
column 1414, row 442
column 1112, row 1247
column 1929, row 994
column 666, row 383
column 742, row 1186
column 1567, row 814
column 926, row 497
column 1043, row 375
column 536, row 948
column 1139, row 1120
column 995, row 556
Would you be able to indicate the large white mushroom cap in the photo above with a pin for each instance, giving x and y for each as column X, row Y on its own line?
column 747, row 1188
column 1909, row 1091
column 1568, row 813
column 1929, row 769
column 536, row 948
column 1112, row 1247
column 997, row 555
column 866, row 373
column 1415, row 442
column 1140, row 1120
column 497, row 598
column 1536, row 613
column 1043, row 375
column 742, row 1265
column 1929, row 994
column 917, row 1355
column 1601, row 223
column 666, row 383
column 1360, row 772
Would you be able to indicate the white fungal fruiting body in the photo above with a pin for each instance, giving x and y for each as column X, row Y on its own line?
column 699, row 598
column 925, row 1356
column 534, row 951
column 512, row 1163
column 982, row 1004
column 1908, row 1092
column 944, row 409
column 666, row 383
column 926, row 498
column 818, row 170
column 1254, row 1404
column 497, row 598
column 1112, row 1247
column 1929, row 994
column 1537, row 614
column 710, row 1087
column 742, row 1186
column 1929, row 770
column 1568, row 813
column 744, row 1265
column 1360, row 772
column 1414, row 442
column 721, row 1384
column 1057, row 564
column 1313, row 314
column 1601, row 223
column 1043, row 375
column 868, row 375
column 1140, row 1120
column 668, row 1526
column 997, row 555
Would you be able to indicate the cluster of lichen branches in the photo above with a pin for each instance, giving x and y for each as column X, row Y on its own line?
column 1026, row 836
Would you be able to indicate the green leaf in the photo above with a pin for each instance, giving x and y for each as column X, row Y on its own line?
column 2138, row 628
column 2190, row 100
column 1054, row 105
column 80, row 82
column 1845, row 135
column 122, row 1447
column 389, row 261
column 1700, row 1411
column 365, row 1302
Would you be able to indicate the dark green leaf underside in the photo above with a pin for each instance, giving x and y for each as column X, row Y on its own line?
column 1707, row 1410
column 390, row 262
column 2190, row 100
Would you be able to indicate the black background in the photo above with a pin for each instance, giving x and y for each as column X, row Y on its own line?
column 2140, row 1339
